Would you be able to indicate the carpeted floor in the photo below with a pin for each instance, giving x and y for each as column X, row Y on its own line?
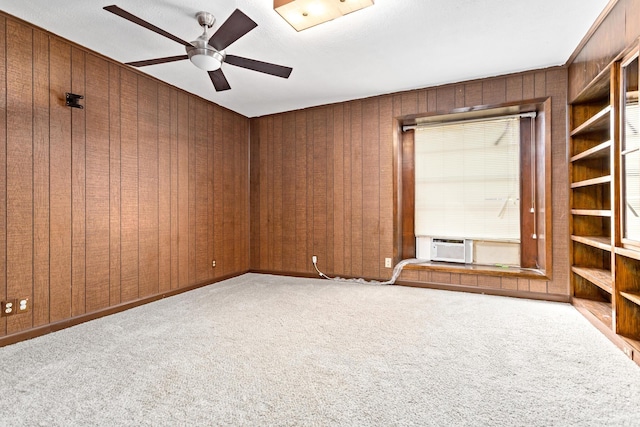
column 269, row 350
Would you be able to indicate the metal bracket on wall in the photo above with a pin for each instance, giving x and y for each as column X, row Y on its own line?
column 72, row 100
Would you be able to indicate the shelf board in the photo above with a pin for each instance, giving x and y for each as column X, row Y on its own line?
column 633, row 297
column 593, row 181
column 599, row 121
column 599, row 242
column 599, row 277
column 597, row 89
column 600, row 310
column 591, row 212
column 599, row 151
column 629, row 253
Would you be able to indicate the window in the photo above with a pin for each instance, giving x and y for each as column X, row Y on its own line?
column 481, row 175
column 630, row 156
column 468, row 180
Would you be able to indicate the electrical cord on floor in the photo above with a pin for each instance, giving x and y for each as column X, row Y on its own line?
column 396, row 272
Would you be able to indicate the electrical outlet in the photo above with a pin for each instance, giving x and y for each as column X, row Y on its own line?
column 314, row 259
column 387, row 262
column 213, row 264
column 22, row 305
column 8, row 308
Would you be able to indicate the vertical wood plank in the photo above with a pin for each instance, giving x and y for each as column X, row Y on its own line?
column 229, row 197
column 387, row 130
column 494, row 91
column 203, row 264
column 60, row 182
column 357, row 241
column 371, row 188
column 289, row 243
column 330, row 189
column 459, row 96
column 210, row 187
column 264, row 210
column 218, row 189
column 308, row 251
column 240, row 169
column 175, row 256
column 319, row 181
column 338, row 188
column 19, row 172
column 277, row 167
column 129, row 225
column 446, row 99
column 78, row 190
column 473, row 94
column 540, row 84
column 192, row 190
column 347, row 189
column 114, row 184
column 148, row 185
column 3, row 169
column 514, row 88
column 164, row 188
column 528, row 86
column 41, row 125
column 97, row 183
column 267, row 210
column 301, row 190
column 183, row 190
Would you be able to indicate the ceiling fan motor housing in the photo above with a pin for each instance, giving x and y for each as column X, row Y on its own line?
column 201, row 53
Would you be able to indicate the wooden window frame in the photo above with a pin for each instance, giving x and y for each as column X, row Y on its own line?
column 535, row 252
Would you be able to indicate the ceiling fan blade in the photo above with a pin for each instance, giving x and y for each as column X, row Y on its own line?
column 219, row 80
column 236, row 26
column 129, row 17
column 157, row 61
column 262, row 67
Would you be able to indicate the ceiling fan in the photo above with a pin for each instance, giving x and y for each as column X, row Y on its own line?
column 208, row 53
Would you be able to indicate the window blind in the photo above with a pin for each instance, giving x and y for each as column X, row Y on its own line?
column 467, row 179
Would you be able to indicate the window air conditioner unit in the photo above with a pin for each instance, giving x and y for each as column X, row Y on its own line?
column 443, row 249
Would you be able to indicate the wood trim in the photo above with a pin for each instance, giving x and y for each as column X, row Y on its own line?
column 73, row 321
column 487, row 291
column 594, row 27
column 408, row 247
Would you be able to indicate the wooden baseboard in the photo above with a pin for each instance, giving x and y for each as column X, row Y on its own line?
column 66, row 323
column 487, row 291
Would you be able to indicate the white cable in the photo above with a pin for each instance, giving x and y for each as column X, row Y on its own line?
column 396, row 272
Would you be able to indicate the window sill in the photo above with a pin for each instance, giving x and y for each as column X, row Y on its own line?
column 485, row 270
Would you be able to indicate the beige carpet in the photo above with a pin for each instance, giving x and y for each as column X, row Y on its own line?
column 268, row 350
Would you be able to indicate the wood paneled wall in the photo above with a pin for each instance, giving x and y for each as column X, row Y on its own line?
column 322, row 180
column 133, row 196
column 618, row 30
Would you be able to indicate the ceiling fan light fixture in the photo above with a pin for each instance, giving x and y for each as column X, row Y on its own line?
column 203, row 56
column 303, row 14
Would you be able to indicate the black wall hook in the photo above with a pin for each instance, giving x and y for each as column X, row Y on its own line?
column 72, row 100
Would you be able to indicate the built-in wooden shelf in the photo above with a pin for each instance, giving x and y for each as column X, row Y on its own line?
column 599, row 242
column 598, row 88
column 591, row 212
column 599, row 277
column 599, row 151
column 600, row 310
column 593, row 181
column 633, row 297
column 629, row 253
column 597, row 122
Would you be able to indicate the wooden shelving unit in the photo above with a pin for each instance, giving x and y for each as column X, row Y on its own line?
column 592, row 187
column 605, row 265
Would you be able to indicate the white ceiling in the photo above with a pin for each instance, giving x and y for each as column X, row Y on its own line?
column 392, row 46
